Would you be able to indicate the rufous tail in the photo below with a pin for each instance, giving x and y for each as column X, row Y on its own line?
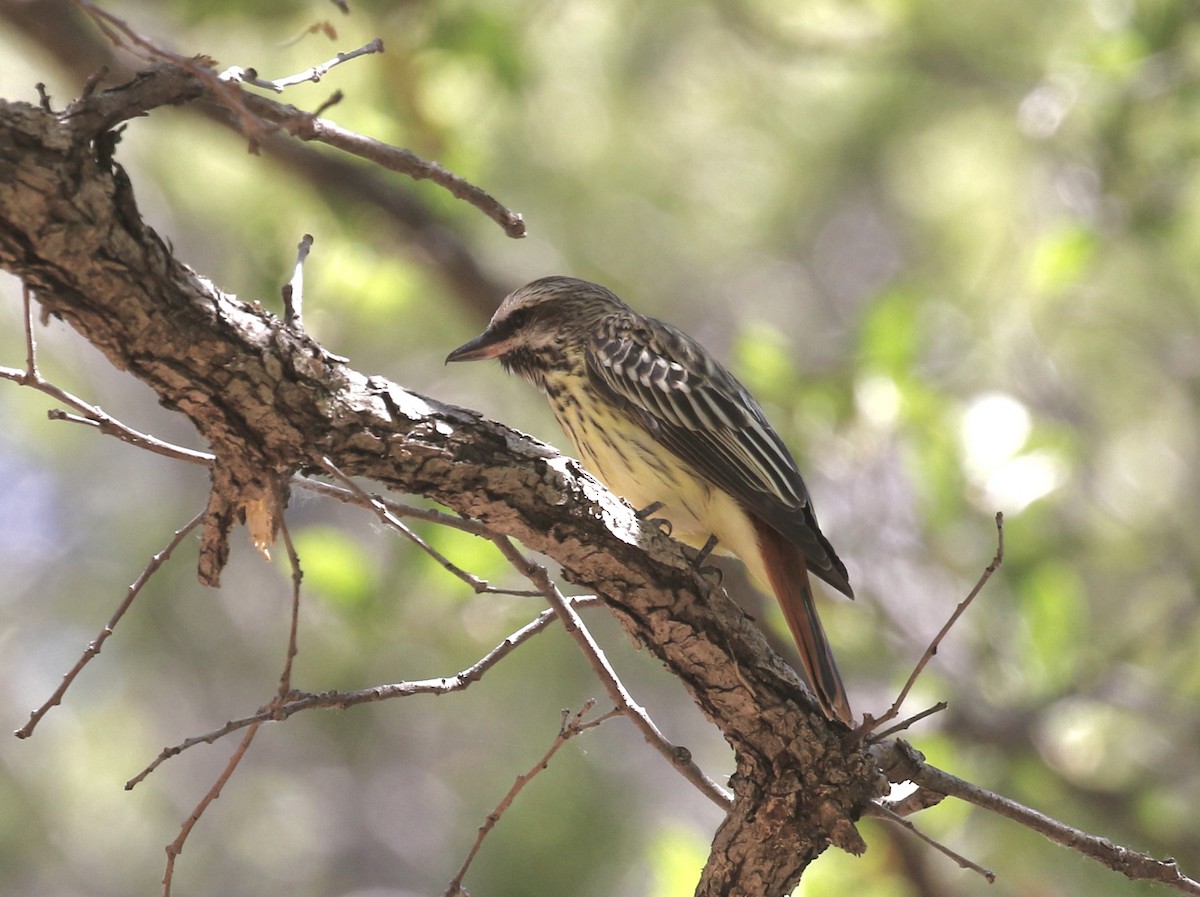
column 787, row 570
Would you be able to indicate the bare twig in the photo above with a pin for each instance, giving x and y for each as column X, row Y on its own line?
column 307, row 126
column 293, row 290
column 93, row 81
column 919, row 799
column 880, row 811
column 915, row 718
column 256, row 115
column 334, row 98
column 909, row 763
column 97, row 643
column 92, row 415
column 480, row 586
column 110, row 426
column 678, row 756
column 285, row 679
column 430, row 515
column 238, row 74
column 32, row 377
column 870, row 725
column 285, row 686
column 340, row 700
column 176, row 847
column 120, row 34
column 43, row 97
column 570, row 727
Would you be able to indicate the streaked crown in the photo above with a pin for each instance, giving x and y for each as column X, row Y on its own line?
column 543, row 326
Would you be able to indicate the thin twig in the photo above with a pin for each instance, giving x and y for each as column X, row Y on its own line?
column 285, row 686
column 679, row 757
column 882, row 812
column 478, row 585
column 870, row 725
column 285, row 679
column 258, row 117
column 94, row 417
column 1134, row 865
column 293, row 290
column 237, row 74
column 568, row 729
column 120, row 34
column 915, row 718
column 110, row 426
column 307, row 126
column 97, row 643
column 332, row 100
column 31, row 370
column 398, row 509
column 93, row 81
column 176, row 847
column 43, row 97
column 341, row 700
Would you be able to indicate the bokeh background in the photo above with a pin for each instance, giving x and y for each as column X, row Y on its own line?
column 953, row 249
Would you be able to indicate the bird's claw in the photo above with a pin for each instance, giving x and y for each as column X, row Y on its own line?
column 662, row 524
column 705, row 551
column 703, row 555
column 659, row 523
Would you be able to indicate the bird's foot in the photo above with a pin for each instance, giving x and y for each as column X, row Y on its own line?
column 660, row 523
column 705, row 551
column 703, row 555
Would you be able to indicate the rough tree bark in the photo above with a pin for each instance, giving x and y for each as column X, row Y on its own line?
column 76, row 46
column 272, row 403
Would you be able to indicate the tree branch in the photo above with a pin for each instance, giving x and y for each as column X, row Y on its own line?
column 183, row 81
column 247, row 382
column 70, row 39
column 272, row 403
column 906, row 763
column 570, row 727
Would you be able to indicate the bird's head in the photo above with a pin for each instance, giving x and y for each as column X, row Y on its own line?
column 537, row 326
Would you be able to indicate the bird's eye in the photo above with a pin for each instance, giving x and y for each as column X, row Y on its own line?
column 517, row 319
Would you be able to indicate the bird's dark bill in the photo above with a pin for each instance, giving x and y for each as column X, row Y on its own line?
column 483, row 346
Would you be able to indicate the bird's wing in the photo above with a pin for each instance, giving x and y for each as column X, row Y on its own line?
column 674, row 389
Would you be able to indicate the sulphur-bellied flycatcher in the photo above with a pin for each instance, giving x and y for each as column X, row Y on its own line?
column 664, row 425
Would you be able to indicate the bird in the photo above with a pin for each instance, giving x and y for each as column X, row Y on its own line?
column 664, row 425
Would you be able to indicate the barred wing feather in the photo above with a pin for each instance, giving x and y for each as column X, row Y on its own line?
column 667, row 383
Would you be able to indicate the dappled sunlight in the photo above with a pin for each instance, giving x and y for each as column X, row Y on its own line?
column 995, row 428
column 951, row 249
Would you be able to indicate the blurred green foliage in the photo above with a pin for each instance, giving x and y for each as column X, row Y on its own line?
column 952, row 247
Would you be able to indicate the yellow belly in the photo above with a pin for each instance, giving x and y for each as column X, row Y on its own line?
column 629, row 462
